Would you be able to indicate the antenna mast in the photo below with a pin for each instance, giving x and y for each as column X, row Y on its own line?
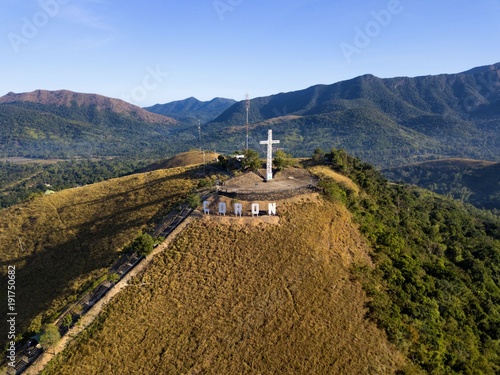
column 201, row 148
column 199, row 132
column 247, row 108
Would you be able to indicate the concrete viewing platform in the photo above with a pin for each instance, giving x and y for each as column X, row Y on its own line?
column 292, row 179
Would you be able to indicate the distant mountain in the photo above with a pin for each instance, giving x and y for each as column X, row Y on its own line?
column 473, row 181
column 191, row 110
column 64, row 124
column 384, row 121
column 65, row 98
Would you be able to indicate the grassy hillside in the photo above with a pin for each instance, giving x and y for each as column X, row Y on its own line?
column 292, row 297
column 184, row 159
column 472, row 181
column 257, row 299
column 60, row 243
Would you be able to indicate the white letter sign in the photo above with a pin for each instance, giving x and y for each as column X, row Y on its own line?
column 238, row 209
column 255, row 209
column 206, row 210
column 271, row 209
column 222, row 208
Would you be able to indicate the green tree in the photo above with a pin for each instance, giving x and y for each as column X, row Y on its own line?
column 36, row 325
column 251, row 160
column 50, row 336
column 318, row 155
column 67, row 320
column 283, row 160
column 339, row 159
column 113, row 277
column 194, row 200
column 143, row 244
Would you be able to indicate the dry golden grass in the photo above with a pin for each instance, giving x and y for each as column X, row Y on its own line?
column 322, row 170
column 184, row 159
column 233, row 299
column 60, row 243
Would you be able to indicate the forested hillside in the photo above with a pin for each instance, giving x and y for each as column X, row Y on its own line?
column 435, row 285
column 62, row 124
column 387, row 122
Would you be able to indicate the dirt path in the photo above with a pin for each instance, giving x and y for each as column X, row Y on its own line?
column 90, row 316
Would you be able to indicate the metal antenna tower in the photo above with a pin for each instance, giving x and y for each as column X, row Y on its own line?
column 201, row 148
column 199, row 132
column 247, row 108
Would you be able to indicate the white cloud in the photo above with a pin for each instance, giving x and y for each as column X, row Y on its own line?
column 79, row 15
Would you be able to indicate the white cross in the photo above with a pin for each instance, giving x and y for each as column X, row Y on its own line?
column 269, row 143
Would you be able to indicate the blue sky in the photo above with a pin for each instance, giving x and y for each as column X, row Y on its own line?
column 156, row 51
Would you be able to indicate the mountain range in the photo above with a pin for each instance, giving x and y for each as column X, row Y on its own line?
column 384, row 121
column 387, row 122
column 192, row 110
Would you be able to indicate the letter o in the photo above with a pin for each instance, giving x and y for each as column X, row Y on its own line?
column 139, row 93
column 372, row 29
column 40, row 19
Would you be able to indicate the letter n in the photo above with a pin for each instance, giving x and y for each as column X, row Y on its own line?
column 271, row 209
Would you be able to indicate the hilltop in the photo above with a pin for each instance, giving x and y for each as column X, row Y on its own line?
column 66, row 98
column 183, row 159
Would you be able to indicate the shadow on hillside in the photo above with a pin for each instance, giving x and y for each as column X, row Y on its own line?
column 48, row 275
